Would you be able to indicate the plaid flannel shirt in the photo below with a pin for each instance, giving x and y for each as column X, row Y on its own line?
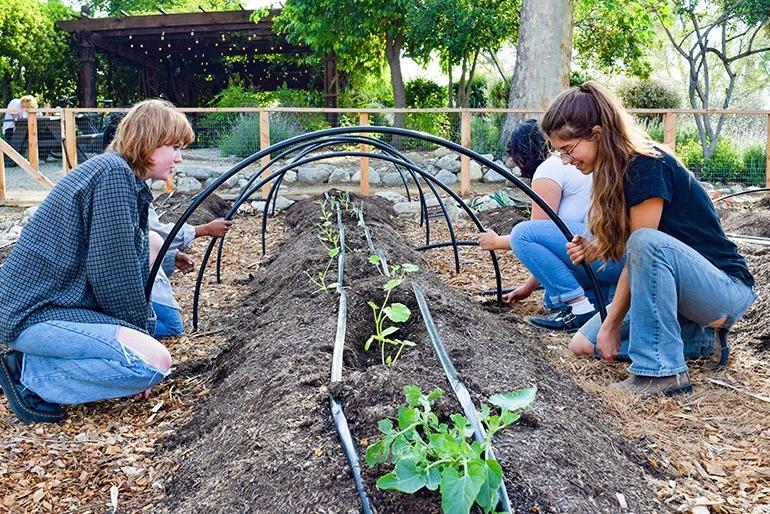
column 84, row 255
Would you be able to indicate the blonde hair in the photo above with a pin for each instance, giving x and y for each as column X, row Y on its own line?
column 576, row 113
column 149, row 125
column 28, row 102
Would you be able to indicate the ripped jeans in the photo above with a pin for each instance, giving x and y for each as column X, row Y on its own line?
column 72, row 363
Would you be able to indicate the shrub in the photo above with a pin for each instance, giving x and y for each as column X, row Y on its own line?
column 497, row 93
column 485, row 133
column 242, row 139
column 649, row 94
column 684, row 135
column 422, row 94
column 724, row 165
column 477, row 96
column 754, row 165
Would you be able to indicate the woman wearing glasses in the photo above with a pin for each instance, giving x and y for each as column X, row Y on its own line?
column 540, row 245
column 682, row 276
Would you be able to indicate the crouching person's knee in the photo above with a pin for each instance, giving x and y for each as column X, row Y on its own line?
column 147, row 348
column 581, row 346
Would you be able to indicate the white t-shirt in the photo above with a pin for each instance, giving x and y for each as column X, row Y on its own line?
column 9, row 120
column 575, row 188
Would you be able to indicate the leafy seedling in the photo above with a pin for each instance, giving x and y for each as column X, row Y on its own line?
column 427, row 452
column 397, row 313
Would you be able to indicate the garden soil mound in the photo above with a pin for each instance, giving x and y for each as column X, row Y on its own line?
column 263, row 441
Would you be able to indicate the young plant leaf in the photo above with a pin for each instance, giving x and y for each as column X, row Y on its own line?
column 413, row 395
column 487, row 497
column 409, row 268
column 374, row 259
column 389, row 330
column 368, row 343
column 397, row 312
column 459, row 490
column 392, row 283
column 405, row 478
column 515, row 400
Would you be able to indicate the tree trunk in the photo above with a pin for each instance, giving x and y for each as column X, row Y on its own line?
column 543, row 55
column 393, row 54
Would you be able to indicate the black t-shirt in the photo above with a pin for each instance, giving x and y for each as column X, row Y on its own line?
column 688, row 213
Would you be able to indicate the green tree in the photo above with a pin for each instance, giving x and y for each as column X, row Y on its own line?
column 35, row 57
column 459, row 30
column 715, row 38
column 358, row 32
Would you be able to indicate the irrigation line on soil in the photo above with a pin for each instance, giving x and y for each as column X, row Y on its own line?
column 335, row 404
column 303, row 138
column 739, row 193
column 461, row 392
column 375, row 251
column 764, row 241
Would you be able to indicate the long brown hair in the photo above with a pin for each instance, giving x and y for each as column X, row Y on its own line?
column 149, row 124
column 575, row 114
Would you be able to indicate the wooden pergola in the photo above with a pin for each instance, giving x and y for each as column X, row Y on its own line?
column 175, row 52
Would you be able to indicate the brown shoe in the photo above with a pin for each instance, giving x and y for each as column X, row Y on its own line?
column 654, row 386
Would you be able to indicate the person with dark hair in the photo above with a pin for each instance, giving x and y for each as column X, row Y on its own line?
column 682, row 277
column 540, row 245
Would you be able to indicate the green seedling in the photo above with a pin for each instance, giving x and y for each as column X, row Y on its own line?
column 427, row 452
column 397, row 313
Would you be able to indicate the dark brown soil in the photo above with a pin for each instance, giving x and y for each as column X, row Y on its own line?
column 264, row 441
column 749, row 217
column 170, row 206
column 502, row 219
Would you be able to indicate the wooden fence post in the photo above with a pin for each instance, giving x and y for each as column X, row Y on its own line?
column 70, row 154
column 363, row 188
column 34, row 156
column 669, row 130
column 264, row 142
column 465, row 161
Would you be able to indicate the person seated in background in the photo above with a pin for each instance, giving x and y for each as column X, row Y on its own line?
column 540, row 245
column 169, row 321
column 17, row 104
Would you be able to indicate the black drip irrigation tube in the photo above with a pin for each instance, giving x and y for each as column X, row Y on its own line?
column 461, row 392
column 298, row 141
column 739, row 193
column 335, row 404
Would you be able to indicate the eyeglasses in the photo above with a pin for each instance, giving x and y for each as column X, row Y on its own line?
column 566, row 156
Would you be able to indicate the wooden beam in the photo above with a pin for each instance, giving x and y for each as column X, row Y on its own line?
column 264, row 142
column 2, row 175
column 669, row 130
column 189, row 20
column 25, row 165
column 70, row 140
column 465, row 161
column 87, row 70
column 363, row 188
column 34, row 156
column 767, row 152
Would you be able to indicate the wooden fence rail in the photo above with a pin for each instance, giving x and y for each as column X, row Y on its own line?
column 65, row 118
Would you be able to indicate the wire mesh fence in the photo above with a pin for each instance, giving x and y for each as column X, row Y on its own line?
column 738, row 155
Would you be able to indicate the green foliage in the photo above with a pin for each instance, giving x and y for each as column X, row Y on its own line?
column 458, row 30
column 654, row 129
column 725, row 165
column 485, row 130
column 497, row 93
column 36, row 57
column 330, row 240
column 477, row 92
column 423, row 93
column 649, row 94
column 429, row 453
column 614, row 35
column 114, row 7
column 754, row 165
column 395, row 312
column 578, row 77
column 242, row 139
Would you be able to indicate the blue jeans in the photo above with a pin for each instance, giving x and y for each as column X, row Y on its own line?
column 73, row 363
column 169, row 322
column 675, row 294
column 542, row 248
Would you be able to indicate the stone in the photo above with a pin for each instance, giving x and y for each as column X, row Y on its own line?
column 451, row 208
column 188, row 184
column 339, row 176
column 14, row 231
column 313, row 174
column 198, row 172
column 281, row 203
column 374, row 176
column 493, row 176
column 447, row 177
column 489, row 156
column 441, row 152
column 290, row 177
column 158, row 185
column 6, row 225
column 407, row 209
column 449, row 162
column 475, row 171
column 391, row 196
column 394, row 179
column 31, row 210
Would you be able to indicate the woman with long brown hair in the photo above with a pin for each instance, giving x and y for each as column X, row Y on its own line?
column 682, row 277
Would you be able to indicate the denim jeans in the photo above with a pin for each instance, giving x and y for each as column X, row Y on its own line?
column 542, row 248
column 169, row 322
column 73, row 363
column 675, row 294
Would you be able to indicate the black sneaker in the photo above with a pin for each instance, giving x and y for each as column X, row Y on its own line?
column 28, row 406
column 655, row 386
column 563, row 320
